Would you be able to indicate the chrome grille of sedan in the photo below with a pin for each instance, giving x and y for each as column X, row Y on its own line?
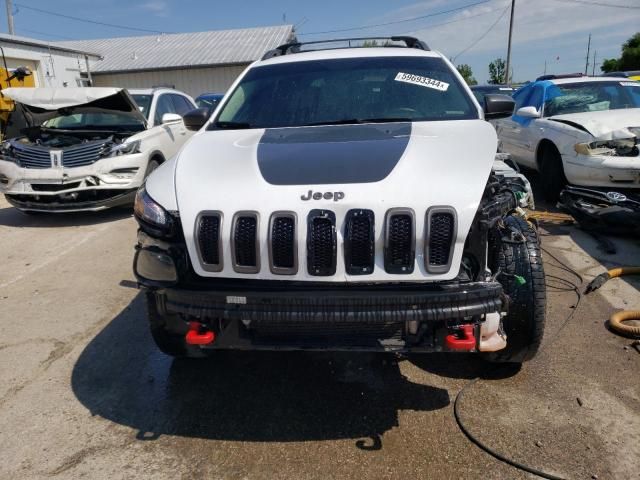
column 33, row 156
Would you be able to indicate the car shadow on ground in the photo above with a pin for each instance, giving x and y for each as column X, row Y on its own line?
column 243, row 396
column 12, row 217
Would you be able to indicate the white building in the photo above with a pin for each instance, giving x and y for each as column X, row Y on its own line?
column 192, row 62
column 52, row 65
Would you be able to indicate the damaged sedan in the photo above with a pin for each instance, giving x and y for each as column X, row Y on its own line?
column 85, row 149
column 576, row 130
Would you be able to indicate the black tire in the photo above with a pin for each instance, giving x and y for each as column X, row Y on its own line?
column 552, row 177
column 168, row 340
column 151, row 166
column 524, row 325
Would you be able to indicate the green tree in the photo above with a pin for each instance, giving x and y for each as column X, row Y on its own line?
column 609, row 65
column 467, row 74
column 630, row 58
column 496, row 71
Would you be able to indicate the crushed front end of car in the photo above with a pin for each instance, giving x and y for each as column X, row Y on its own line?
column 76, row 151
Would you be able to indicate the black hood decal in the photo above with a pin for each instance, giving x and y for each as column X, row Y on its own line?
column 332, row 154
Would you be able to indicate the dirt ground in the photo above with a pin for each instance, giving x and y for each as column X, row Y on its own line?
column 85, row 394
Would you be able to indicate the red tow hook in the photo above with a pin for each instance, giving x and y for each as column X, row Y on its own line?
column 197, row 335
column 463, row 339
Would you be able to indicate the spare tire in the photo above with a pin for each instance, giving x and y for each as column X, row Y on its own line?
column 519, row 262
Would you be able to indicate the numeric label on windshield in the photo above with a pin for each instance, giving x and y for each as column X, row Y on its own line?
column 422, row 81
column 630, row 84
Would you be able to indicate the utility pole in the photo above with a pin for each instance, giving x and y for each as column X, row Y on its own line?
column 545, row 66
column 586, row 67
column 593, row 71
column 508, row 66
column 10, row 17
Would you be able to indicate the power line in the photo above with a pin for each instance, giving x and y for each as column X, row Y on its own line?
column 86, row 20
column 433, row 25
column 600, row 4
column 363, row 27
column 483, row 35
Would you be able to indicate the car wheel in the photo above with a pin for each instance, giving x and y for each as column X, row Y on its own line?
column 167, row 340
column 552, row 178
column 518, row 261
column 151, row 166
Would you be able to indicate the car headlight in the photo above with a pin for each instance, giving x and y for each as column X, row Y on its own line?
column 625, row 147
column 125, row 148
column 6, row 153
column 152, row 218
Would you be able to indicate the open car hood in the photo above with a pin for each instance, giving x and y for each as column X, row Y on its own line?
column 41, row 104
column 604, row 125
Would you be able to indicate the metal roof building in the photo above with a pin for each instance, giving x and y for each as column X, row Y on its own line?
column 192, row 62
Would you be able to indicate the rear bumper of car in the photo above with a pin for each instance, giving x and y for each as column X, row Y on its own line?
column 602, row 171
column 106, row 183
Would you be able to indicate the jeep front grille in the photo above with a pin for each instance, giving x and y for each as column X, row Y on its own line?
column 282, row 243
column 209, row 229
column 440, row 231
column 359, row 242
column 321, row 243
column 244, row 243
column 399, row 248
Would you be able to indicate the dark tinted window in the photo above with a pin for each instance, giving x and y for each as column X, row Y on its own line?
column 182, row 105
column 164, row 105
column 144, row 103
column 340, row 90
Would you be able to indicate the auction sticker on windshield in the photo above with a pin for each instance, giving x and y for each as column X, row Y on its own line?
column 630, row 84
column 422, row 81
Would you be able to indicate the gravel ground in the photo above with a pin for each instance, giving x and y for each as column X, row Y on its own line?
column 85, row 394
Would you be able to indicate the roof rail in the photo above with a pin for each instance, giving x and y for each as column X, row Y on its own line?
column 165, row 85
column 563, row 75
column 294, row 47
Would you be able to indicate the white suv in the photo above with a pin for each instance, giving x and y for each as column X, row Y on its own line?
column 87, row 148
column 342, row 198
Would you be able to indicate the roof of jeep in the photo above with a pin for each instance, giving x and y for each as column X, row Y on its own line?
column 358, row 52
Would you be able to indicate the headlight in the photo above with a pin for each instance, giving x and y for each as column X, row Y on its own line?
column 151, row 216
column 6, row 153
column 125, row 148
column 625, row 147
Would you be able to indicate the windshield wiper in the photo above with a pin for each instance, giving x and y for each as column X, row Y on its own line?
column 357, row 121
column 233, row 125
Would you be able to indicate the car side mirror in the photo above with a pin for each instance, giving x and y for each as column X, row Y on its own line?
column 195, row 119
column 528, row 112
column 171, row 118
column 498, row 106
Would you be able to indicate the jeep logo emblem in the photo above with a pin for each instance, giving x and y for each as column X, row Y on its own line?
column 311, row 195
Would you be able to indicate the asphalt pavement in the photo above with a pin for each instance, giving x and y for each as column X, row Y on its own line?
column 84, row 393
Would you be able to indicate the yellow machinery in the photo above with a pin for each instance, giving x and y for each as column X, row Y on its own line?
column 19, row 77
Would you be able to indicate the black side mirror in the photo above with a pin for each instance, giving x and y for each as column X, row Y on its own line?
column 195, row 119
column 498, row 106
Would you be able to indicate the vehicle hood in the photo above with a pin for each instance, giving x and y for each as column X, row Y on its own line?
column 374, row 166
column 606, row 124
column 41, row 104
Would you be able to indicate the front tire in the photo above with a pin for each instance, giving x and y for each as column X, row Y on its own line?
column 524, row 324
column 552, row 177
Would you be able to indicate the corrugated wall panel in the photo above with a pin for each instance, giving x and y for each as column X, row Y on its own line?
column 193, row 81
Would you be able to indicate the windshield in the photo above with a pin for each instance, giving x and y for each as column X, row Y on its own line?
column 351, row 90
column 96, row 121
column 591, row 97
column 144, row 104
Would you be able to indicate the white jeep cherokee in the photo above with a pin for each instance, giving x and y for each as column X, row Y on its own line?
column 342, row 198
column 76, row 149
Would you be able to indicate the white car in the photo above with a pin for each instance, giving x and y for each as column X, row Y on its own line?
column 87, row 148
column 342, row 198
column 578, row 130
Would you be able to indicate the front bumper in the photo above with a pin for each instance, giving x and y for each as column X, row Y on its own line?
column 292, row 315
column 106, row 183
column 602, row 171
